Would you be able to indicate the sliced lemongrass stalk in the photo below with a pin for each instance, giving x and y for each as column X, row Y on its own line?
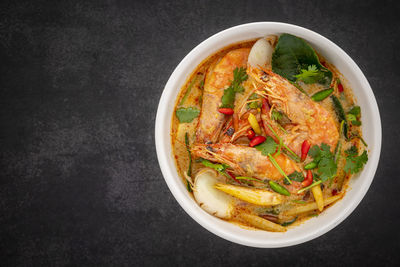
column 308, row 187
column 319, row 199
column 271, row 158
column 309, row 207
column 255, row 196
column 261, row 223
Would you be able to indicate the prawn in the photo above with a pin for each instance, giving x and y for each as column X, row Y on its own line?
column 218, row 78
column 308, row 119
column 245, row 161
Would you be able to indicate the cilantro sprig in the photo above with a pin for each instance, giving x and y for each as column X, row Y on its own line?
column 325, row 160
column 310, row 75
column 355, row 162
column 228, row 98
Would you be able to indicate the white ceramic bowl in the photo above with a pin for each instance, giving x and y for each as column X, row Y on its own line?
column 314, row 227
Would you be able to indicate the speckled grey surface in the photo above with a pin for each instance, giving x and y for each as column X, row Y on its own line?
column 79, row 86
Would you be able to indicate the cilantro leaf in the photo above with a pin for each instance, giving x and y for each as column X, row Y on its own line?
column 325, row 160
column 239, row 76
column 295, row 176
column 268, row 147
column 327, row 168
column 352, row 151
column 310, row 75
column 276, row 115
column 355, row 163
column 187, row 114
column 228, row 98
column 255, row 104
column 356, row 111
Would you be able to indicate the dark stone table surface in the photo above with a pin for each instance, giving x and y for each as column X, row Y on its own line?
column 80, row 81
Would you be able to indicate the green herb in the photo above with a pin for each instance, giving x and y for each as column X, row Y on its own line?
column 201, row 85
column 310, row 186
column 239, row 76
column 216, row 166
column 325, row 160
column 256, row 103
column 187, row 91
column 189, row 172
column 337, row 152
column 273, row 161
column 321, row 95
column 289, row 222
column 296, row 176
column 291, row 154
column 340, row 113
column 248, row 178
column 356, row 111
column 279, row 189
column 188, row 186
column 353, row 116
column 354, row 163
column 280, row 118
column 357, row 135
column 187, row 114
column 299, row 201
column 267, row 147
column 310, row 75
column 292, row 54
column 276, row 115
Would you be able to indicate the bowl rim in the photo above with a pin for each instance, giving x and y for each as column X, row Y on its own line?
column 163, row 122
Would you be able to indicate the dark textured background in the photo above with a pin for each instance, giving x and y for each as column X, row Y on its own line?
column 79, row 88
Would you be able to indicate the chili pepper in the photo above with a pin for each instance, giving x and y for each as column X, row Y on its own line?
column 304, row 149
column 226, row 111
column 340, row 113
column 310, row 165
column 289, row 222
column 308, row 180
column 257, row 140
column 339, row 86
column 251, row 134
column 279, row 189
column 254, row 123
column 233, row 177
column 321, row 95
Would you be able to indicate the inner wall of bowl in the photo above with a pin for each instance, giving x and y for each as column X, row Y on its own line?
column 313, row 227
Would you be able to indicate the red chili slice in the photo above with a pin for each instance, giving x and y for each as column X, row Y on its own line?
column 251, row 134
column 340, row 86
column 305, row 147
column 257, row 140
column 308, row 180
column 226, row 111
